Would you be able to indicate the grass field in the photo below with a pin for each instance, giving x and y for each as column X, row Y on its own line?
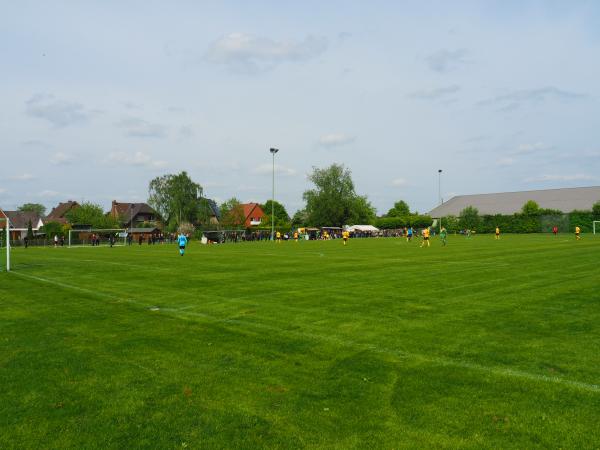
column 381, row 344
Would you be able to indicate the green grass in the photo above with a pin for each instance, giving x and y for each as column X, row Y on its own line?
column 381, row 344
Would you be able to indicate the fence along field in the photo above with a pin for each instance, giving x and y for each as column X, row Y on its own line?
column 381, row 343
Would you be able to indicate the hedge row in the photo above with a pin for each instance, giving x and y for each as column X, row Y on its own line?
column 522, row 223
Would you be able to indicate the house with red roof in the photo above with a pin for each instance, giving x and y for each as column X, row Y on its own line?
column 253, row 214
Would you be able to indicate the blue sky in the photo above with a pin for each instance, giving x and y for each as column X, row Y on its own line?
column 100, row 97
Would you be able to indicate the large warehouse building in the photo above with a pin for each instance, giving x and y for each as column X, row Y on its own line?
column 565, row 200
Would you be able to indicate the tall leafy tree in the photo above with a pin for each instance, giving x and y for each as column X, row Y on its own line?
column 530, row 208
column 232, row 213
column 281, row 215
column 333, row 200
column 37, row 208
column 400, row 209
column 177, row 198
column 596, row 209
column 469, row 218
column 91, row 214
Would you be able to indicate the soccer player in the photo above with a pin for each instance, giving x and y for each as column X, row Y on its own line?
column 425, row 237
column 577, row 232
column 345, row 236
column 409, row 234
column 443, row 236
column 182, row 241
column 278, row 237
column 555, row 230
column 497, row 233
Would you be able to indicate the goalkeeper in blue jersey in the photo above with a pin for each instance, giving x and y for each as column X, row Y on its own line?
column 182, row 241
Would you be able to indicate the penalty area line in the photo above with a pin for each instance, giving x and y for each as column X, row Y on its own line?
column 498, row 371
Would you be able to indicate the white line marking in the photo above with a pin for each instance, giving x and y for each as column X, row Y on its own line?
column 500, row 371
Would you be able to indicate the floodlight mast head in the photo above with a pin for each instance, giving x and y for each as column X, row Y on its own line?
column 273, row 150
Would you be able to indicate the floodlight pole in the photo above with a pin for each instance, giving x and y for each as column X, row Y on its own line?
column 440, row 192
column 273, row 151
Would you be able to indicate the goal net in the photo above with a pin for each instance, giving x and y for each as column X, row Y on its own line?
column 5, row 239
column 596, row 226
column 97, row 237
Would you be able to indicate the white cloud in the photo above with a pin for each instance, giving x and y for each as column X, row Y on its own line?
column 505, row 161
column 139, row 159
column 136, row 127
column 434, row 94
column 2, row 191
column 267, row 169
column 23, row 177
column 515, row 99
column 60, row 158
column 335, row 139
column 48, row 194
column 399, row 182
column 248, row 53
column 574, row 177
column 530, row 148
column 445, row 60
column 59, row 113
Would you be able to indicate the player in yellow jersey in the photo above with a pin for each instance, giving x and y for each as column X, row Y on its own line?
column 577, row 232
column 345, row 236
column 497, row 233
column 425, row 237
column 296, row 236
column 278, row 237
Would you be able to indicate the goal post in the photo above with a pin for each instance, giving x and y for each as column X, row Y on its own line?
column 596, row 226
column 102, row 234
column 5, row 222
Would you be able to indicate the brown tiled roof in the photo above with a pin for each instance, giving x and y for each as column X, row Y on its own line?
column 59, row 211
column 20, row 219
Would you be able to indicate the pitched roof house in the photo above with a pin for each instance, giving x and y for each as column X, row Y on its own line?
column 59, row 212
column 19, row 222
column 253, row 214
column 131, row 214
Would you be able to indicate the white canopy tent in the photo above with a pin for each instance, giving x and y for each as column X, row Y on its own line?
column 362, row 229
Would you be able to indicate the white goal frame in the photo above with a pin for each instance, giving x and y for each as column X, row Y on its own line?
column 596, row 225
column 6, row 219
column 101, row 230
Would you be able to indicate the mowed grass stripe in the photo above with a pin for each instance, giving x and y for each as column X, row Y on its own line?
column 307, row 332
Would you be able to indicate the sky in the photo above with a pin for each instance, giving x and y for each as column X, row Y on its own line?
column 99, row 97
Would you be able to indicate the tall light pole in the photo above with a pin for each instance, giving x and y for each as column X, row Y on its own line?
column 273, row 151
column 440, row 192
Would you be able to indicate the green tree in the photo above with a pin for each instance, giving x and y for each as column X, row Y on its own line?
column 400, row 209
column 37, row 208
column 281, row 215
column 52, row 228
column 300, row 218
column 333, row 201
column 596, row 209
column 91, row 214
column 469, row 218
column 176, row 198
column 530, row 208
column 232, row 213
column 29, row 231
